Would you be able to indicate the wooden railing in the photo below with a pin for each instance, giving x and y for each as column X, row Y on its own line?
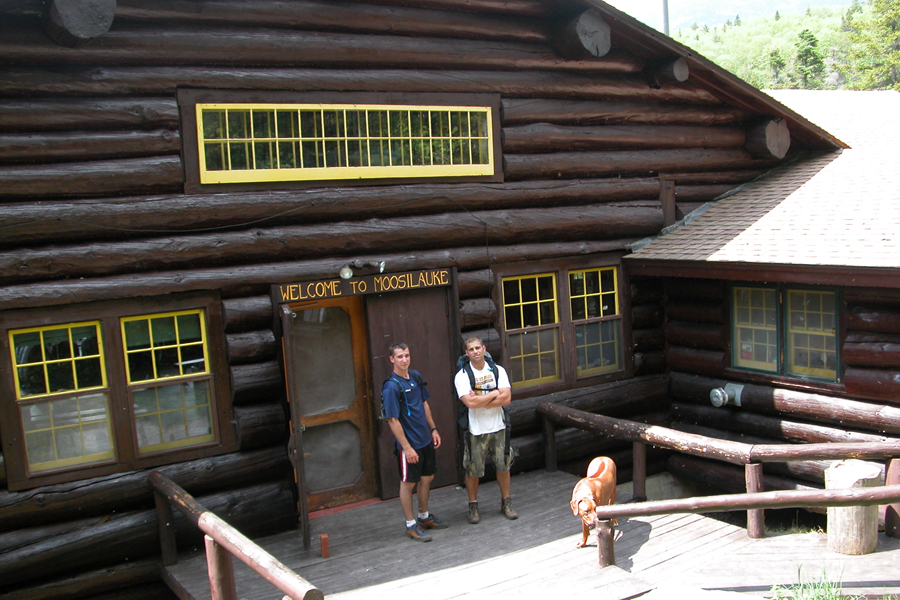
column 222, row 542
column 752, row 456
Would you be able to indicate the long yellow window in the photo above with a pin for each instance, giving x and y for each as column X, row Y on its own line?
column 62, row 395
column 531, row 316
column 317, row 142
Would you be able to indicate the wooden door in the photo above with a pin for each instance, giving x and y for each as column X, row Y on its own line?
column 326, row 364
column 422, row 320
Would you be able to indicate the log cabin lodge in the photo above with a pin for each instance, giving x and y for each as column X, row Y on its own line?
column 216, row 219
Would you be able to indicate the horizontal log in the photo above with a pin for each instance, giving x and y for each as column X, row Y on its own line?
column 854, row 296
column 681, row 289
column 525, row 8
column 704, row 336
column 119, row 218
column 648, row 339
column 692, row 360
column 257, row 383
column 649, row 363
column 150, row 81
column 647, row 316
column 774, row 427
column 869, row 337
column 261, row 426
column 545, row 137
column 254, row 280
column 73, row 23
column 477, row 312
column 333, row 16
column 81, row 146
column 696, row 312
column 873, row 384
column 148, row 45
column 522, row 111
column 626, row 397
column 872, row 354
column 664, row 72
column 247, row 314
column 251, row 346
column 815, row 407
column 727, row 477
column 157, row 174
column 54, row 114
column 712, row 177
column 625, row 162
column 489, row 336
column 475, row 284
column 290, row 243
column 646, row 290
column 92, row 583
column 685, row 194
column 128, row 536
column 100, row 495
column 2, row 472
column 874, row 318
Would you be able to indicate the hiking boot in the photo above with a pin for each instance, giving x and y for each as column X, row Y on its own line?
column 473, row 517
column 431, row 522
column 507, row 510
column 417, row 533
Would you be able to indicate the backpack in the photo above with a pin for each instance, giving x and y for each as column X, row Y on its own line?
column 462, row 411
column 414, row 375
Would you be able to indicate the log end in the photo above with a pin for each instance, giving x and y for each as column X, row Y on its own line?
column 770, row 139
column 586, row 36
column 73, row 23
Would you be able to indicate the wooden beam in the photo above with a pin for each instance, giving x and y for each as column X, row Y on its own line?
column 60, row 114
column 251, row 346
column 667, row 202
column 83, row 146
column 704, row 336
column 523, row 111
column 587, row 36
column 770, row 139
column 542, row 137
column 666, row 72
column 73, row 23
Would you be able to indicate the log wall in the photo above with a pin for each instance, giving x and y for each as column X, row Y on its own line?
column 93, row 208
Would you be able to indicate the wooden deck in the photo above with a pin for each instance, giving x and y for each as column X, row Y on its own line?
column 666, row 555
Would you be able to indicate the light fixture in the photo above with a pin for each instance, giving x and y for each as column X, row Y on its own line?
column 376, row 264
column 346, row 272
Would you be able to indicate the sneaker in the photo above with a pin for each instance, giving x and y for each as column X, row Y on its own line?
column 473, row 517
column 431, row 522
column 417, row 533
column 507, row 510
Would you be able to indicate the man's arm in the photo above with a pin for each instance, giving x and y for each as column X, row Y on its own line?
column 435, row 435
column 498, row 397
column 397, row 429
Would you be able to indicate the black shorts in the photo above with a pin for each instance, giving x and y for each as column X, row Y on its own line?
column 426, row 467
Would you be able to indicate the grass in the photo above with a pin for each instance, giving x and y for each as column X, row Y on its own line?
column 821, row 590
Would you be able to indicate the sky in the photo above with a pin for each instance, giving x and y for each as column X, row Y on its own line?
column 648, row 11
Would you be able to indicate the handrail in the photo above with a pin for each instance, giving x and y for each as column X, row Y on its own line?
column 221, row 535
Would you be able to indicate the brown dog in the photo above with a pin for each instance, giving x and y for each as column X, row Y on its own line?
column 597, row 489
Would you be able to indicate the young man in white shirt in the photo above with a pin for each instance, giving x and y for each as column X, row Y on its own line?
column 487, row 434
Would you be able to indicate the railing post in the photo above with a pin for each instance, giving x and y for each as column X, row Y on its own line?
column 550, row 462
column 756, row 518
column 167, row 544
column 892, row 513
column 221, row 571
column 639, row 471
column 605, row 542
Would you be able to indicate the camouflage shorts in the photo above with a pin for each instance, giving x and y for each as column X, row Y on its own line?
column 478, row 447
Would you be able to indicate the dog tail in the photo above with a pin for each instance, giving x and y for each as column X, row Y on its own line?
column 600, row 465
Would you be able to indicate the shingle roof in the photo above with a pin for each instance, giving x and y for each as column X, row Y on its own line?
column 832, row 209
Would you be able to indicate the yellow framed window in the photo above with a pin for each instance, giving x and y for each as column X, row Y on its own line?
column 755, row 322
column 169, row 380
column 811, row 334
column 62, row 396
column 531, row 315
column 317, row 142
column 594, row 301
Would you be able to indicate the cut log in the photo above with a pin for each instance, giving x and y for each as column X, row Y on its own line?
column 475, row 284
column 706, row 290
column 648, row 316
column 524, row 8
column 587, row 36
column 756, row 398
column 247, row 314
column 53, row 114
column 291, row 243
column 770, row 139
column 153, row 81
column 852, row 529
column 698, row 312
column 150, row 45
column 157, row 174
column 543, row 137
column 713, row 177
column 261, row 426
column 579, row 112
column 490, row 337
column 254, row 280
column 649, row 363
column 691, row 360
column 93, row 583
column 874, row 384
column 64, row 221
column 875, row 318
column 646, row 290
column 635, row 163
column 81, row 146
column 73, row 23
column 703, row 336
column 333, row 16
column 648, row 339
column 667, row 72
column 872, row 354
column 477, row 312
column 252, row 346
column 257, row 383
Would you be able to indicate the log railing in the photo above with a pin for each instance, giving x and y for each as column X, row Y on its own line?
column 750, row 455
column 222, row 542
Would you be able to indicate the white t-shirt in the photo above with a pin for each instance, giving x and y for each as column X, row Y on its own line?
column 483, row 420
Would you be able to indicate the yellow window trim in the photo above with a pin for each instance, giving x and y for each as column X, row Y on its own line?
column 537, row 302
column 203, row 342
column 318, row 173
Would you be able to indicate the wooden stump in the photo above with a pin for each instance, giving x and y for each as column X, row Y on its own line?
column 852, row 529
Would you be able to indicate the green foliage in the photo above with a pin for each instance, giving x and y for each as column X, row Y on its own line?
column 824, row 48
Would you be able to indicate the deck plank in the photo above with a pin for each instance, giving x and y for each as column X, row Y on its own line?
column 371, row 556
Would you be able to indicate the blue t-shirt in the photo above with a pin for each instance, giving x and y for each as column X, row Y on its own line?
column 410, row 410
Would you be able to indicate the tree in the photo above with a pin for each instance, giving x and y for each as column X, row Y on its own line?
column 737, row 21
column 777, row 62
column 809, row 64
column 874, row 58
column 777, row 15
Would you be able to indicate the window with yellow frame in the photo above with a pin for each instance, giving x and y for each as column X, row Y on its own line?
column 594, row 299
column 239, row 143
column 786, row 331
column 531, row 317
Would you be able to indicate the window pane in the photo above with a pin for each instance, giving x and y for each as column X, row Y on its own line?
column 598, row 347
column 755, row 326
column 811, row 336
column 176, row 346
column 534, row 357
column 49, row 358
column 173, row 416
